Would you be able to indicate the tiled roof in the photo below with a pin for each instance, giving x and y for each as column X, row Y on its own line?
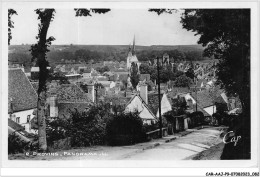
column 177, row 90
column 35, row 86
column 17, row 127
column 153, row 102
column 117, row 100
column 69, row 93
column 20, row 91
column 203, row 98
column 14, row 125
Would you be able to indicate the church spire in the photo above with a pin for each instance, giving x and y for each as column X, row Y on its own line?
column 133, row 49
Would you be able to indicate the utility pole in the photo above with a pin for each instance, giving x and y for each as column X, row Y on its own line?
column 159, row 97
column 196, row 96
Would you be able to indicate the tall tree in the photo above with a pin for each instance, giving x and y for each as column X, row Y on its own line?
column 190, row 73
column 226, row 35
column 38, row 52
column 134, row 76
column 11, row 12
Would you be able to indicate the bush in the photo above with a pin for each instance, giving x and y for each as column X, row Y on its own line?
column 85, row 128
column 125, row 129
column 56, row 129
column 16, row 144
column 152, row 127
column 197, row 118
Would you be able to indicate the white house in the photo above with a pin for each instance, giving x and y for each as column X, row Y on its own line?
column 22, row 99
column 139, row 103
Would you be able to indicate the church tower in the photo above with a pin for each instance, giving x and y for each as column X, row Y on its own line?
column 131, row 57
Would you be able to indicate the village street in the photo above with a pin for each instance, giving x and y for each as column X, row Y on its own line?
column 185, row 147
column 182, row 146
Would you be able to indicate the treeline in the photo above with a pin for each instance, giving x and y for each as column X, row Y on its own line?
column 88, row 54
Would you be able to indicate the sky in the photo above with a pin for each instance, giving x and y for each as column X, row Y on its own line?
column 117, row 27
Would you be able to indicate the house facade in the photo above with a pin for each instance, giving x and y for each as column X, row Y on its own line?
column 139, row 103
column 22, row 99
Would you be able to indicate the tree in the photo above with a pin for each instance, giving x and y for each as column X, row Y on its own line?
column 59, row 77
column 38, row 52
column 190, row 73
column 134, row 77
column 226, row 35
column 145, row 69
column 125, row 129
column 11, row 12
column 182, row 81
column 103, row 69
column 86, row 127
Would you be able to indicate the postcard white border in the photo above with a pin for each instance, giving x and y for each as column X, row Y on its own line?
column 254, row 162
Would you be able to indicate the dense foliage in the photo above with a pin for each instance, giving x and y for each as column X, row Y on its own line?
column 103, row 69
column 226, row 33
column 190, row 73
column 16, row 144
column 58, row 76
column 167, row 73
column 125, row 129
column 134, row 75
column 98, row 125
column 85, row 128
column 178, row 108
column 182, row 81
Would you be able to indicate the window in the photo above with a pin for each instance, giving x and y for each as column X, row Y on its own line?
column 28, row 118
column 18, row 120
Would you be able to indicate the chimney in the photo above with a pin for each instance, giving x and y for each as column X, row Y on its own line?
column 92, row 91
column 54, row 107
column 144, row 93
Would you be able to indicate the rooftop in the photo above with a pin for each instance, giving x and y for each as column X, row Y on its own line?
column 20, row 92
column 153, row 102
column 69, row 93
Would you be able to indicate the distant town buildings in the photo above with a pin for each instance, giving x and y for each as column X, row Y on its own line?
column 88, row 84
